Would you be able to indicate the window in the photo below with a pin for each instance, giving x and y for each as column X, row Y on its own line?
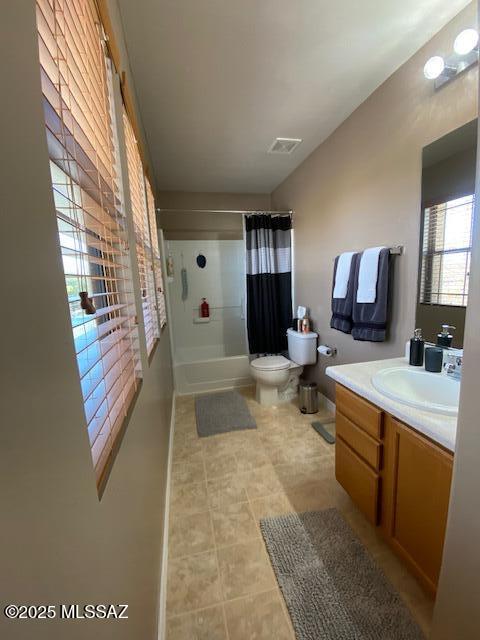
column 157, row 263
column 76, row 86
column 447, row 245
column 138, row 198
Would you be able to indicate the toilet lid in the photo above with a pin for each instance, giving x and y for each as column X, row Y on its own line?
column 271, row 363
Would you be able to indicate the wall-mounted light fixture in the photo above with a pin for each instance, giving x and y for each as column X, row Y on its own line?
column 465, row 55
column 465, row 42
column 434, row 67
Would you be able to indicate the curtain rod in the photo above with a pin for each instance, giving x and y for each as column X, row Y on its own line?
column 246, row 211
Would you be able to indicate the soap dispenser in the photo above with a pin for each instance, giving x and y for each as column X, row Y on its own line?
column 444, row 339
column 417, row 345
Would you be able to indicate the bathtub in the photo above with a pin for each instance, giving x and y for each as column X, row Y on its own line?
column 208, row 369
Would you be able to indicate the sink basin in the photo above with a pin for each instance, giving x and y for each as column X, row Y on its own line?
column 434, row 392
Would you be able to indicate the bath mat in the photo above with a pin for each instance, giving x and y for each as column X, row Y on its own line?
column 324, row 432
column 332, row 587
column 222, row 412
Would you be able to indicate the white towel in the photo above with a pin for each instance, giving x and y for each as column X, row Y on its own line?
column 368, row 275
column 342, row 274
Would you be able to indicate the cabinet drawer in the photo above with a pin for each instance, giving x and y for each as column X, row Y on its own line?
column 367, row 447
column 358, row 480
column 360, row 412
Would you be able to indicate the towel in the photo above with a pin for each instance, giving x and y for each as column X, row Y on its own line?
column 342, row 307
column 342, row 274
column 370, row 319
column 368, row 275
column 184, row 278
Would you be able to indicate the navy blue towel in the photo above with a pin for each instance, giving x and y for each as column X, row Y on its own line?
column 370, row 319
column 342, row 307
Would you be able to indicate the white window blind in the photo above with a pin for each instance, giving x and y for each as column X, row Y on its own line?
column 447, row 245
column 157, row 262
column 76, row 86
column 136, row 182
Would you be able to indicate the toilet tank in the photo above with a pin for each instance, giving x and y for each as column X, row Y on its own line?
column 302, row 347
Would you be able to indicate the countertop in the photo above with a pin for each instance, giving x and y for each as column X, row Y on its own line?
column 358, row 378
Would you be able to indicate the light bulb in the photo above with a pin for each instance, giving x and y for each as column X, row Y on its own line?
column 434, row 67
column 465, row 42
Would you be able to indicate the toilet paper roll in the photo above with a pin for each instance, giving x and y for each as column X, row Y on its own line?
column 325, row 351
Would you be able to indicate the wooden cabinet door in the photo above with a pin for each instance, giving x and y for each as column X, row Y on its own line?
column 417, row 505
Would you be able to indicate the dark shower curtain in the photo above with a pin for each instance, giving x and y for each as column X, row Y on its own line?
column 269, row 282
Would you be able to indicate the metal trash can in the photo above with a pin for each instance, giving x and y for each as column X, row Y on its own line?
column 308, row 400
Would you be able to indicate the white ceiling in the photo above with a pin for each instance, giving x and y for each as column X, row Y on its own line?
column 218, row 80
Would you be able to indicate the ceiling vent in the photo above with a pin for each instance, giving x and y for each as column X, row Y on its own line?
column 284, row 145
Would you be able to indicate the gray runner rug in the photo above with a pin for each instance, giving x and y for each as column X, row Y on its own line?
column 222, row 412
column 332, row 587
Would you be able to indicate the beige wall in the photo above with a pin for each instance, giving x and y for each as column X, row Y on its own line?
column 457, row 611
column 186, row 225
column 183, row 224
column 362, row 187
column 59, row 543
column 453, row 177
column 202, row 200
column 431, row 317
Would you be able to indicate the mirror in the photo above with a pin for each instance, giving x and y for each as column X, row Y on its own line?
column 448, row 188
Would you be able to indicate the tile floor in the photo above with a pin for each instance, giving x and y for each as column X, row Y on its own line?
column 220, row 582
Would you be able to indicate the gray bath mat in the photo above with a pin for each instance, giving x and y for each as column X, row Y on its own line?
column 222, row 412
column 333, row 588
column 324, row 432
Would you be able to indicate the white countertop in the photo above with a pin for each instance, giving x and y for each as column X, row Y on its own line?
column 358, row 378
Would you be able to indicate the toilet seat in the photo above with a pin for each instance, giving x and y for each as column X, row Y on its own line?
column 271, row 363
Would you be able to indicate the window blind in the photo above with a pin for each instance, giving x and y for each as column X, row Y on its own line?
column 157, row 261
column 138, row 200
column 446, row 251
column 77, row 100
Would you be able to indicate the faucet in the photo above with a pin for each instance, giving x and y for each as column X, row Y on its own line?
column 453, row 365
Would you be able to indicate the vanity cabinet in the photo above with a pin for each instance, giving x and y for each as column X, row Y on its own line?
column 398, row 478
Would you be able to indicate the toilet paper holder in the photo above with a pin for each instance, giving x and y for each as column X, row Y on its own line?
column 325, row 350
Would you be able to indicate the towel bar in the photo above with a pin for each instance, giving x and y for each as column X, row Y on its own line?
column 397, row 250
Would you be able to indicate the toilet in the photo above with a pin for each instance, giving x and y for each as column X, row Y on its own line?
column 277, row 377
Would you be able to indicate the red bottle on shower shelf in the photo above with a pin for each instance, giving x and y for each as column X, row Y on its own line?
column 204, row 309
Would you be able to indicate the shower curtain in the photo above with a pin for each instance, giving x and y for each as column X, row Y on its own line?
column 269, row 281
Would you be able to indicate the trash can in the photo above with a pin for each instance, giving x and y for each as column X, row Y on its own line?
column 308, row 400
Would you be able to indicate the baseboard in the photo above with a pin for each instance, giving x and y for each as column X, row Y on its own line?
column 185, row 389
column 215, row 389
column 162, row 610
column 323, row 401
